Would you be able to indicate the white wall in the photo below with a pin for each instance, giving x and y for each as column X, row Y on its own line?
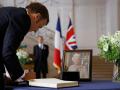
column 89, row 22
column 119, row 14
column 94, row 18
column 111, row 16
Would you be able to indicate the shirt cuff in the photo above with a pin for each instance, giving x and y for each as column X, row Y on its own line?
column 7, row 74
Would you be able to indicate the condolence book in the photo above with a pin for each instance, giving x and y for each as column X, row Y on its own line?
column 52, row 83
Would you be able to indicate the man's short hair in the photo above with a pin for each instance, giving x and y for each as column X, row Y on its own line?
column 36, row 7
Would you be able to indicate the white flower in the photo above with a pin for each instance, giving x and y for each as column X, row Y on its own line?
column 105, row 47
column 23, row 56
column 110, row 46
column 112, row 40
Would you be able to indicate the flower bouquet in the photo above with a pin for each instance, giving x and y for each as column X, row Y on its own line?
column 23, row 56
column 109, row 47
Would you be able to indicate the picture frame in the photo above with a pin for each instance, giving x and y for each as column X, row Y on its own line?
column 78, row 61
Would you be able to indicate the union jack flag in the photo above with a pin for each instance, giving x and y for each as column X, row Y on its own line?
column 70, row 42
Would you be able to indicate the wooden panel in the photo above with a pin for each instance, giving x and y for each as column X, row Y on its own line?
column 101, row 69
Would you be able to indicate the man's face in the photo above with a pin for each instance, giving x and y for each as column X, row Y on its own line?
column 41, row 23
column 37, row 22
column 40, row 39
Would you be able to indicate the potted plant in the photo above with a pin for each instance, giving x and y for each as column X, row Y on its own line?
column 109, row 47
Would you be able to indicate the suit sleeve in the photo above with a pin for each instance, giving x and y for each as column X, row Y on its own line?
column 12, row 40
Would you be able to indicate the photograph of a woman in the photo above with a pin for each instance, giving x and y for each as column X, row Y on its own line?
column 78, row 61
column 78, row 66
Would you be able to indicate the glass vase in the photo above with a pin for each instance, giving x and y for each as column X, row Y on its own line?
column 116, row 73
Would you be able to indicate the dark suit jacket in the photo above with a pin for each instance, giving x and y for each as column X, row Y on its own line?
column 14, row 24
column 40, row 58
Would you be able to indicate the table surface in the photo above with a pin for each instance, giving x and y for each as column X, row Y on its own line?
column 93, row 85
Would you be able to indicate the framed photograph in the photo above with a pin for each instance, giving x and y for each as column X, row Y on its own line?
column 78, row 61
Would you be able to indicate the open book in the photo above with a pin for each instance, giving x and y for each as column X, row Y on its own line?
column 52, row 83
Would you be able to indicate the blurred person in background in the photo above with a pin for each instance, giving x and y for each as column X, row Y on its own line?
column 41, row 52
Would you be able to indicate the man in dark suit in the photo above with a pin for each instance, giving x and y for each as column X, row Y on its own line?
column 14, row 24
column 41, row 52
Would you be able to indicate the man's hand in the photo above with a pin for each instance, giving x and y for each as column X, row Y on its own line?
column 23, row 76
column 26, row 71
column 20, row 79
column 19, row 82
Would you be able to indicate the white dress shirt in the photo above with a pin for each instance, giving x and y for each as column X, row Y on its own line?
column 40, row 45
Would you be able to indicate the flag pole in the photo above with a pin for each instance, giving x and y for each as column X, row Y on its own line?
column 62, row 61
